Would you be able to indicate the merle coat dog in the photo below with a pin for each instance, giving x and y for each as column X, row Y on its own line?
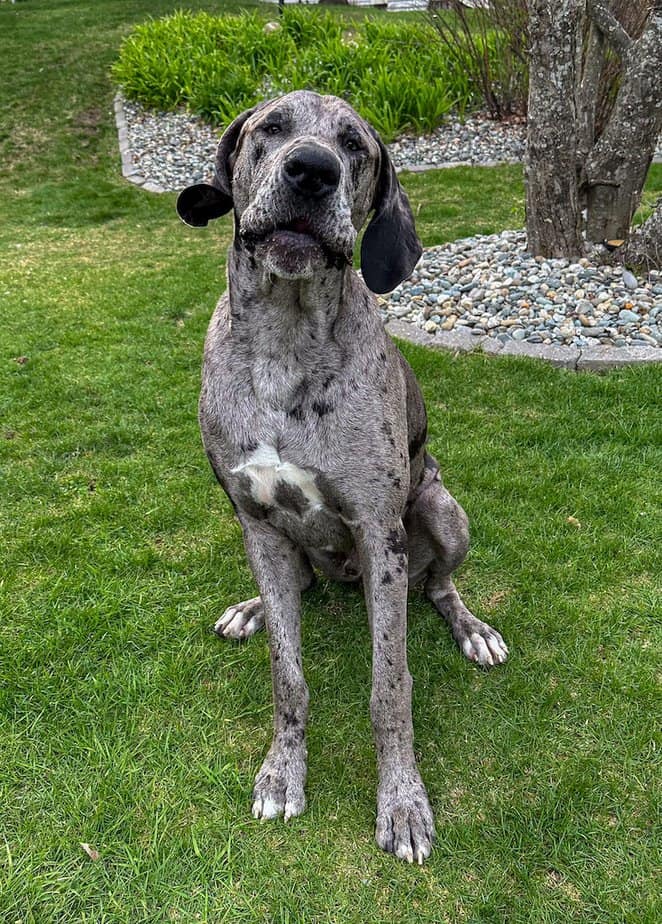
column 315, row 427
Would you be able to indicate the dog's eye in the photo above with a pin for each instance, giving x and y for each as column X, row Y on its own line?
column 351, row 144
column 273, row 129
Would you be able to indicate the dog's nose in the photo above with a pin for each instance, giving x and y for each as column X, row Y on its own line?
column 312, row 171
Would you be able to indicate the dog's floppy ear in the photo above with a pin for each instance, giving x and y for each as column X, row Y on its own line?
column 197, row 205
column 391, row 248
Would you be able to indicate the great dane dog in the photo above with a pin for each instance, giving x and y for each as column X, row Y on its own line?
column 315, row 427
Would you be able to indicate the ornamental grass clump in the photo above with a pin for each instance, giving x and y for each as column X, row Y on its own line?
column 394, row 73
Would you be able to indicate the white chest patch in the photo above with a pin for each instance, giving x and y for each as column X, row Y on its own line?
column 267, row 470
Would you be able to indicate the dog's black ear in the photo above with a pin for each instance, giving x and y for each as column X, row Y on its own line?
column 198, row 205
column 391, row 248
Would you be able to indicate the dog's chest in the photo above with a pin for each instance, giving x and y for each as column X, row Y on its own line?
column 290, row 498
column 274, row 482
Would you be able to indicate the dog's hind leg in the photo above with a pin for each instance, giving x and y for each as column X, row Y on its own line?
column 437, row 521
column 244, row 619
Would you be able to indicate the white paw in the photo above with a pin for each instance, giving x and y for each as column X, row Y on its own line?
column 485, row 646
column 266, row 807
column 241, row 620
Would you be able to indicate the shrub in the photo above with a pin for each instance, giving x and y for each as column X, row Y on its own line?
column 395, row 73
column 492, row 41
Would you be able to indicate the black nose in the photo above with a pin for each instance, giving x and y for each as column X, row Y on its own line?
column 312, row 171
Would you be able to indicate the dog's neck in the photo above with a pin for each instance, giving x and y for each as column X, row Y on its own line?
column 287, row 309
column 290, row 335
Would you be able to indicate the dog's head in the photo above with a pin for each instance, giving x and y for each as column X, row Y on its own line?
column 303, row 172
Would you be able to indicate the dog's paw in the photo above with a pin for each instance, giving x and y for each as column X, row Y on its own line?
column 279, row 786
column 481, row 643
column 405, row 825
column 241, row 620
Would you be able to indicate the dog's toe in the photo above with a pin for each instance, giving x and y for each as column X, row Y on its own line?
column 241, row 620
column 483, row 644
column 267, row 807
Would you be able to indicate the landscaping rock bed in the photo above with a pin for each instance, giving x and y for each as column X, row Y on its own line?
column 477, row 141
column 490, row 286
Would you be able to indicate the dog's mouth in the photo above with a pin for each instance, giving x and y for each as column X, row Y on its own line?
column 298, row 235
column 299, row 232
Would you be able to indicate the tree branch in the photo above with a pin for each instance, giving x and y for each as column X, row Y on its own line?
column 610, row 27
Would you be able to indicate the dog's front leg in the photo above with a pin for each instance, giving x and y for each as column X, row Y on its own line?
column 405, row 824
column 279, row 785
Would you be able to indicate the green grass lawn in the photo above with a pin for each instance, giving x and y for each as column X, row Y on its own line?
column 125, row 724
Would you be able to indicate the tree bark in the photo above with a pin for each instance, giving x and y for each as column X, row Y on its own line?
column 587, row 95
column 553, row 219
column 616, row 169
column 644, row 248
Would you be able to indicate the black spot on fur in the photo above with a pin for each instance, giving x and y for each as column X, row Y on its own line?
column 296, row 412
column 250, row 446
column 322, row 407
column 237, row 240
column 247, row 502
column 396, row 542
column 387, row 578
column 327, row 381
column 216, row 472
column 290, row 497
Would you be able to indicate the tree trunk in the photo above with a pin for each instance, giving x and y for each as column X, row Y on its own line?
column 616, row 169
column 553, row 218
column 644, row 248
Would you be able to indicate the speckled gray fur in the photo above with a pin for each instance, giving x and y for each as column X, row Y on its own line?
column 315, row 426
